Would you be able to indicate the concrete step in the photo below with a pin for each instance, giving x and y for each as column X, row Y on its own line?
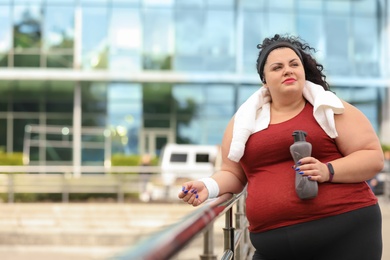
column 84, row 224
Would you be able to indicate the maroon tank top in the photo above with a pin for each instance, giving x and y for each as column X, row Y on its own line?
column 272, row 201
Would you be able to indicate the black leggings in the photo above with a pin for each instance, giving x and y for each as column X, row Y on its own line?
column 355, row 235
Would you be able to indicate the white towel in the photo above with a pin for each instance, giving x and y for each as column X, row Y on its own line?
column 254, row 115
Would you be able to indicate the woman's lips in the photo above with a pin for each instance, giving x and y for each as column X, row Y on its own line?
column 289, row 81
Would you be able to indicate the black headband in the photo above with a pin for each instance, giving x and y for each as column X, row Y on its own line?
column 266, row 51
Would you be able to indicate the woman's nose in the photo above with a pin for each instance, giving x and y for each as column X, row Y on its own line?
column 287, row 71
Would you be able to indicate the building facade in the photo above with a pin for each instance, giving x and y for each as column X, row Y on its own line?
column 81, row 80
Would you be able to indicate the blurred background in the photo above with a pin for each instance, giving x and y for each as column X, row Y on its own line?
column 101, row 83
column 141, row 73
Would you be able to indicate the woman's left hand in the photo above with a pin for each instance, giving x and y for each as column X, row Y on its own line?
column 313, row 168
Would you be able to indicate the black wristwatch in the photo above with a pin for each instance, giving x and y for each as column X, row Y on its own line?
column 331, row 171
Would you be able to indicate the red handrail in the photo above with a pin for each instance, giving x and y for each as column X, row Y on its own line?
column 168, row 242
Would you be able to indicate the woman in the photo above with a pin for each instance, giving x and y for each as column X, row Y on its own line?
column 343, row 221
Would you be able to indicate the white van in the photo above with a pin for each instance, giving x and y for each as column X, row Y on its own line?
column 187, row 162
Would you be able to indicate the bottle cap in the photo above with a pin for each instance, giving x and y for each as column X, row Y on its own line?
column 299, row 135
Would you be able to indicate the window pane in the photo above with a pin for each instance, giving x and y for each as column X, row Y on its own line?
column 65, row 106
column 310, row 29
column 365, row 48
column 220, row 3
column 18, row 130
column 254, row 31
column 338, row 7
column 285, row 4
column 60, row 61
column 215, row 128
column 309, row 5
column 94, row 98
column 178, row 157
column 244, row 92
column 61, row 2
column 94, row 37
column 27, row 26
column 26, row 60
column 5, row 29
column 125, row 40
column 159, row 3
column 251, row 4
column 124, row 2
column 59, row 27
column 189, row 3
column 28, row 1
column 3, row 60
column 158, row 39
column 222, row 94
column 3, row 135
column 277, row 22
column 337, row 32
column 189, row 39
column 85, row 3
column 202, row 158
column 219, row 41
column 26, row 106
column 186, row 93
column 367, row 7
column 124, row 111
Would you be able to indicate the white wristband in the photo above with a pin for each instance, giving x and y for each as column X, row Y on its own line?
column 211, row 186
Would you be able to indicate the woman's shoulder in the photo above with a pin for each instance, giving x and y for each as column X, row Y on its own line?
column 351, row 112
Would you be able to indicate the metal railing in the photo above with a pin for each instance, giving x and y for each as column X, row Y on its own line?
column 169, row 242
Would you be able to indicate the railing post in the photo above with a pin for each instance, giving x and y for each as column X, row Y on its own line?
column 239, row 225
column 208, row 244
column 11, row 188
column 228, row 231
column 240, row 221
column 65, row 188
column 121, row 180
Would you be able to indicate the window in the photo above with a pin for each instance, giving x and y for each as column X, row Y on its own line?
column 94, row 37
column 202, row 158
column 125, row 39
column 58, row 35
column 178, row 157
column 158, row 39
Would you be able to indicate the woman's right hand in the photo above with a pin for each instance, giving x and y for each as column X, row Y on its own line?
column 194, row 193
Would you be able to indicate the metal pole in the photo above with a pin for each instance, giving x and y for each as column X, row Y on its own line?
column 120, row 194
column 208, row 245
column 228, row 231
column 77, row 130
column 77, row 95
column 10, row 187
column 65, row 188
column 239, row 225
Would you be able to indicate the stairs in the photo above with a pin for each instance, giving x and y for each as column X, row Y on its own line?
column 84, row 224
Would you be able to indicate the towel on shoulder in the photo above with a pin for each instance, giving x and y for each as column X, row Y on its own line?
column 254, row 115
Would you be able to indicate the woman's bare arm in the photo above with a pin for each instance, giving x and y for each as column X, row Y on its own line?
column 358, row 142
column 230, row 178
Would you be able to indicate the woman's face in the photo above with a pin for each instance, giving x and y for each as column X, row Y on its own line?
column 284, row 72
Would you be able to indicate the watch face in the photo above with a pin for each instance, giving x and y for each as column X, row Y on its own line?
column 330, row 167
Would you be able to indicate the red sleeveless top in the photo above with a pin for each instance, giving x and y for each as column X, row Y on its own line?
column 272, row 201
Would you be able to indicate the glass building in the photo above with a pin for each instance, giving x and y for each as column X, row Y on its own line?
column 83, row 79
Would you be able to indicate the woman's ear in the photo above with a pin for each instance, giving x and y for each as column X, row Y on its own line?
column 263, row 80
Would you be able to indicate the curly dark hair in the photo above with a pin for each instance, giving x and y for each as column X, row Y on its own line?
column 313, row 69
